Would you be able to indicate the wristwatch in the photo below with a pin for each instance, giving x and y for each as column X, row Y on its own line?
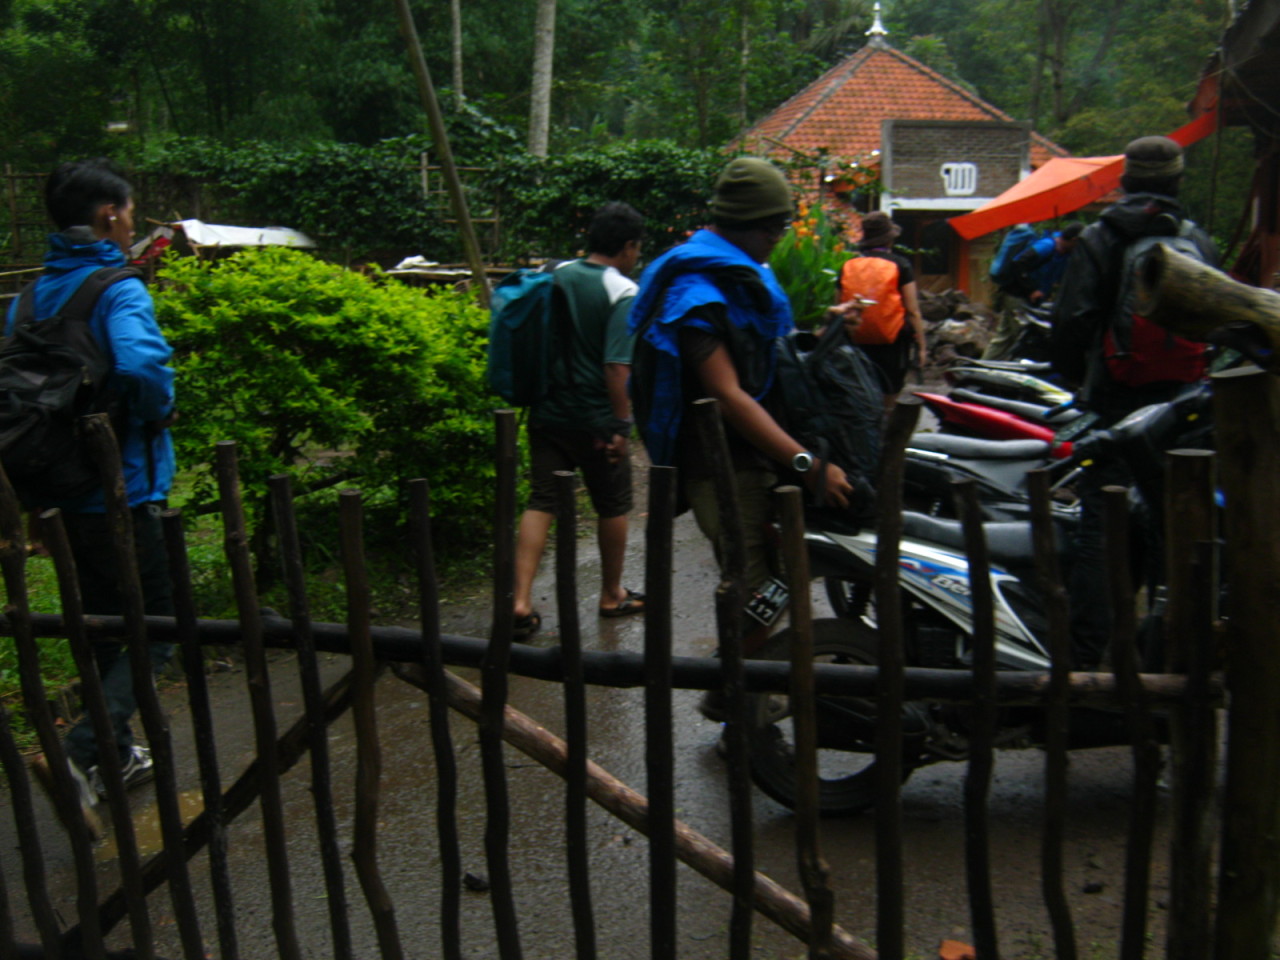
column 802, row 462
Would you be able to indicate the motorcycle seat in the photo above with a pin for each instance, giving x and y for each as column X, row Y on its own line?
column 972, row 448
column 1008, row 543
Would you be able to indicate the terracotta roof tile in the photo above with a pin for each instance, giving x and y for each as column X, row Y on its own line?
column 842, row 110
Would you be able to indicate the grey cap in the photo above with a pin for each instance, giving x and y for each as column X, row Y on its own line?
column 750, row 189
column 1153, row 158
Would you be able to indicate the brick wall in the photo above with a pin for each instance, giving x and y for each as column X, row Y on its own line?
column 918, row 149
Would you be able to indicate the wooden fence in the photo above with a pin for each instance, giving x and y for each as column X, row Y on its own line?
column 1246, row 878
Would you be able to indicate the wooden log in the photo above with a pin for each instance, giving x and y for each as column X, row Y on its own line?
column 577, row 848
column 1138, row 722
column 1194, row 300
column 95, row 702
column 295, row 582
column 202, row 725
column 772, row 900
column 982, row 720
column 102, row 443
column 1057, row 716
column 289, row 749
column 364, row 846
column 1247, row 414
column 17, row 614
column 731, row 599
column 493, row 671
column 814, row 871
column 659, row 728
column 432, row 663
column 890, row 913
column 1190, row 515
column 258, row 680
column 625, row 669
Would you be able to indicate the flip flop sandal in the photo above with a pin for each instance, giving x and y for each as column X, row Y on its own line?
column 632, row 604
column 525, row 627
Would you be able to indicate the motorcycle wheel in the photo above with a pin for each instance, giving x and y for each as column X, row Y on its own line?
column 846, row 759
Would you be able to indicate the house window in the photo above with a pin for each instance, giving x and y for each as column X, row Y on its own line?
column 960, row 179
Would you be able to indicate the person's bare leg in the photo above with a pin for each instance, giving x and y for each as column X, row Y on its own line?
column 611, row 535
column 531, row 541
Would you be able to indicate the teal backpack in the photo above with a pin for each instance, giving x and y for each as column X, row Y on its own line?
column 1014, row 242
column 530, row 333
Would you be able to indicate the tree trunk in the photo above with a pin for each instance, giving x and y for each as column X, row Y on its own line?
column 544, row 45
column 744, row 61
column 455, row 22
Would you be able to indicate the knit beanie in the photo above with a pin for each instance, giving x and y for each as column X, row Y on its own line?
column 750, row 189
column 1152, row 158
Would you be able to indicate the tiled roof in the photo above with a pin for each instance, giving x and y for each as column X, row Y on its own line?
column 842, row 110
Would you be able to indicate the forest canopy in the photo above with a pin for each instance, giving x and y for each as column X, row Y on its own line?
column 1087, row 73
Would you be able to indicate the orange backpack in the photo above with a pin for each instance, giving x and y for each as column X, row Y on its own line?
column 874, row 278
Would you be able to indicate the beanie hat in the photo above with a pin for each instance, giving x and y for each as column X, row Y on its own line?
column 750, row 189
column 878, row 230
column 1152, row 158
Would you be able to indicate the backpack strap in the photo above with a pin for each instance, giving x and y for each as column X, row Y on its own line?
column 79, row 306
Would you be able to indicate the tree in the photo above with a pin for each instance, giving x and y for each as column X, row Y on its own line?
column 544, row 48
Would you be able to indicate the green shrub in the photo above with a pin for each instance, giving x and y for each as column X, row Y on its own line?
column 332, row 376
column 807, row 262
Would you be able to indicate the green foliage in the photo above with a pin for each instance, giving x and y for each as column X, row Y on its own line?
column 807, row 262
column 323, row 373
column 548, row 202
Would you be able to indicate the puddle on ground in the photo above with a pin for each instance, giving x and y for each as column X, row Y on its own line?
column 146, row 826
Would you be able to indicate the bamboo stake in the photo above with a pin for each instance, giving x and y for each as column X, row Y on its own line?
column 658, row 726
column 783, row 908
column 1246, row 412
column 1057, row 716
column 731, row 599
column 1189, row 522
column 95, row 703
column 248, row 787
column 435, row 122
column 1146, row 752
column 202, row 726
column 432, row 664
column 102, row 442
column 497, row 660
column 890, row 916
column 364, row 847
column 236, row 544
column 575, row 716
column 13, row 552
column 977, row 783
column 814, row 872
column 313, row 706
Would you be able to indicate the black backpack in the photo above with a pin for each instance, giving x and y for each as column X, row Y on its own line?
column 52, row 373
column 828, row 395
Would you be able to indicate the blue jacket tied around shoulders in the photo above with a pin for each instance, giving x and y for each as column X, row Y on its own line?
column 705, row 270
column 124, row 324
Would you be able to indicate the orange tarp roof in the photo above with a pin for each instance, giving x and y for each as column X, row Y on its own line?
column 1062, row 185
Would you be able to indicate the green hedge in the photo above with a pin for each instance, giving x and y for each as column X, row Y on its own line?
column 322, row 372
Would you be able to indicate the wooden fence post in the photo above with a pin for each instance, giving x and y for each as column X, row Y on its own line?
column 1247, row 412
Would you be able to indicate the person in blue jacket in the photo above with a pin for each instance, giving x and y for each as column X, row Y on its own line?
column 92, row 207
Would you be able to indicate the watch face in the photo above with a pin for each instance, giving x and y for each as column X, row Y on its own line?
column 802, row 462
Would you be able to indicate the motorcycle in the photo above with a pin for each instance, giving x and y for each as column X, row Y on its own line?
column 938, row 622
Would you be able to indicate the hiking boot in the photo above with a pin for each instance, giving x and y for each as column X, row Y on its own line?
column 713, row 706
column 137, row 768
column 86, row 797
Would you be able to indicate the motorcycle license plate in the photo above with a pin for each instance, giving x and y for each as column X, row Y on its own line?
column 767, row 603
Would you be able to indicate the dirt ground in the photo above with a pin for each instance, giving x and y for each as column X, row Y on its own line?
column 933, row 818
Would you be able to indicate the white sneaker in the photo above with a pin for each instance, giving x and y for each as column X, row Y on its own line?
column 138, row 768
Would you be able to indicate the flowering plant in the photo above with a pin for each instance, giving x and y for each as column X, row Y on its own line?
column 807, row 262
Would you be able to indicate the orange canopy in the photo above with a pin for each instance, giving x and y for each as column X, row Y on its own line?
column 1062, row 185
